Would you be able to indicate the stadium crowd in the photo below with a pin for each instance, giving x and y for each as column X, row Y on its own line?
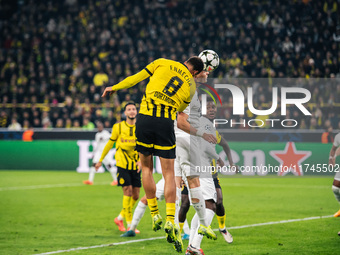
column 55, row 56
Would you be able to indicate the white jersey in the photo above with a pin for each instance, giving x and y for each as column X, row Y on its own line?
column 208, row 149
column 193, row 110
column 187, row 145
column 101, row 140
column 336, row 142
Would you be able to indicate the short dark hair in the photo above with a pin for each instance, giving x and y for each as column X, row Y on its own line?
column 129, row 103
column 197, row 63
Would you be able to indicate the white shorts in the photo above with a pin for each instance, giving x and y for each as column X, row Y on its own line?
column 337, row 176
column 208, row 189
column 186, row 158
column 96, row 158
column 160, row 189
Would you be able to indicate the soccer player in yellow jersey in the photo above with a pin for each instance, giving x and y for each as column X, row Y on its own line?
column 169, row 90
column 128, row 173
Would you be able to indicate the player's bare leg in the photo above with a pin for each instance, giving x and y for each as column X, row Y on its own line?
column 336, row 191
column 171, row 229
column 199, row 205
column 195, row 238
column 150, row 190
column 126, row 211
column 221, row 216
column 182, row 215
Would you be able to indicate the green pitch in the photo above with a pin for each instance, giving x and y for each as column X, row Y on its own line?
column 50, row 211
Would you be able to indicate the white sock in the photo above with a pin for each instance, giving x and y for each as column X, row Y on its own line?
column 92, row 173
column 196, row 241
column 178, row 202
column 194, row 227
column 336, row 191
column 196, row 193
column 138, row 215
column 113, row 173
column 186, row 228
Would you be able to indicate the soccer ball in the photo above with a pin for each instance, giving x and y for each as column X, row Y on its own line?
column 210, row 60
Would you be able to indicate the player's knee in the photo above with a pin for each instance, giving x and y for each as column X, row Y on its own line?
column 336, row 190
column 144, row 201
column 210, row 205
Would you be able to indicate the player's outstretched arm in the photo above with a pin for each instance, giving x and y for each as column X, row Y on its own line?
column 127, row 82
column 332, row 155
column 227, row 150
column 182, row 123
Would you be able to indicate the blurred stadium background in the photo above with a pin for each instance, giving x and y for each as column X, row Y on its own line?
column 57, row 56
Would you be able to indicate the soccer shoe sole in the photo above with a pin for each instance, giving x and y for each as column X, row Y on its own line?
column 207, row 231
column 157, row 222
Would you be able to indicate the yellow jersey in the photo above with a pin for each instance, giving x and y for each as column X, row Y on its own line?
column 169, row 90
column 124, row 135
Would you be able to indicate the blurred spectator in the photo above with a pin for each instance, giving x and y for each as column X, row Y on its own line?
column 88, row 125
column 54, row 58
column 14, row 125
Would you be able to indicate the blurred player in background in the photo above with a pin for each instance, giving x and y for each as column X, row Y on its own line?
column 335, row 151
column 126, row 156
column 207, row 123
column 169, row 90
column 101, row 138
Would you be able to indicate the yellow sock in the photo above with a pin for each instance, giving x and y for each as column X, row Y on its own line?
column 121, row 214
column 152, row 203
column 132, row 203
column 127, row 209
column 181, row 225
column 221, row 221
column 170, row 212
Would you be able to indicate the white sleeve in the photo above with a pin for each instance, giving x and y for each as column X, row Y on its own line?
column 209, row 150
column 337, row 140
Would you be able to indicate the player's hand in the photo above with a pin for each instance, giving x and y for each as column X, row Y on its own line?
column 202, row 76
column 108, row 91
column 139, row 166
column 209, row 138
column 331, row 161
column 99, row 164
column 220, row 162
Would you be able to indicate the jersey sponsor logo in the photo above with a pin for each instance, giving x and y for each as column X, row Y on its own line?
column 127, row 140
column 163, row 97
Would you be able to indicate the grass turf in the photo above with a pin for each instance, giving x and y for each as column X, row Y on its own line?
column 35, row 218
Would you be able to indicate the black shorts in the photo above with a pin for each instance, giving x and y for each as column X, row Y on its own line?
column 155, row 136
column 128, row 177
column 217, row 182
column 184, row 190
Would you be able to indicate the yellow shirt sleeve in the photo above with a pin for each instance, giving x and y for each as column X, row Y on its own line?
column 218, row 137
column 132, row 80
column 110, row 143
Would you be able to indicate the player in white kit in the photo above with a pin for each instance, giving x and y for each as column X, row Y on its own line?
column 188, row 157
column 101, row 138
column 335, row 151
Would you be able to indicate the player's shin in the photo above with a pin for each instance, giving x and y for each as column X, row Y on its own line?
column 178, row 202
column 196, row 241
column 138, row 215
column 336, row 191
column 198, row 203
column 127, row 209
column 92, row 173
